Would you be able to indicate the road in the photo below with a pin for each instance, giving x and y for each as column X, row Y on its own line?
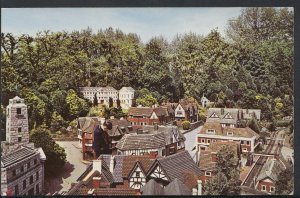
column 70, row 172
column 272, row 148
column 190, row 141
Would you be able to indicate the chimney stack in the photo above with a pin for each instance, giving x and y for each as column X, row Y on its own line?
column 112, row 164
column 199, row 187
column 97, row 165
column 96, row 182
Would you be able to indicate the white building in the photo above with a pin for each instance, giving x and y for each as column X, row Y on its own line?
column 103, row 93
column 126, row 95
column 22, row 165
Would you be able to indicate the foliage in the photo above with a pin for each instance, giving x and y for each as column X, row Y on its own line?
column 227, row 175
column 56, row 156
column 253, row 124
column 95, row 101
column 145, row 98
column 285, row 183
column 252, row 67
column 186, row 125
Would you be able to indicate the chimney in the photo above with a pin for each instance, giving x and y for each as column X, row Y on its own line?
column 194, row 191
column 112, row 117
column 96, row 182
column 112, row 164
column 199, row 187
column 102, row 120
column 97, row 165
column 91, row 191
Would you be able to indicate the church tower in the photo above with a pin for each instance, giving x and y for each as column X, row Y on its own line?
column 17, row 132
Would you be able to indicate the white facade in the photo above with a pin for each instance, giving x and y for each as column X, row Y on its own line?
column 102, row 93
column 126, row 95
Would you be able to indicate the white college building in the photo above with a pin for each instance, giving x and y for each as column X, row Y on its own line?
column 126, row 95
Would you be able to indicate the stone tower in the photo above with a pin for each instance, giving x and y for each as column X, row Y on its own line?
column 17, row 132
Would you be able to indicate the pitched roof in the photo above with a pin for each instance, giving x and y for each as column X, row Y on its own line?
column 175, row 165
column 152, row 188
column 219, row 130
column 161, row 111
column 234, row 112
column 129, row 161
column 176, row 187
column 206, row 162
column 158, row 137
column 17, row 155
column 140, row 111
column 271, row 169
column 88, row 124
column 186, row 105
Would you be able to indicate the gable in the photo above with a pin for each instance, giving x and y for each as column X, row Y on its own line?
column 158, row 173
column 214, row 115
column 153, row 116
column 268, row 180
column 228, row 116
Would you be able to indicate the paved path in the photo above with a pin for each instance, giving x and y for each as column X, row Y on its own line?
column 71, row 171
column 190, row 141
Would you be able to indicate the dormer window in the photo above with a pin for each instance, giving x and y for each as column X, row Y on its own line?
column 207, row 173
column 211, row 131
column 230, row 133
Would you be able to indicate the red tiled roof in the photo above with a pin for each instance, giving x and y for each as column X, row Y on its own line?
column 140, row 111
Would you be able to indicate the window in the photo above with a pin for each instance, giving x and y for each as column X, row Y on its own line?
column 19, row 129
column 19, row 111
column 207, row 173
column 31, row 179
column 163, row 152
column 171, row 140
column 208, row 141
column 210, row 131
column 19, row 139
column 242, row 142
column 202, row 140
column 272, row 189
column 178, row 143
column 24, row 184
column 248, row 142
column 172, row 150
column 137, row 174
column 16, row 190
column 263, row 188
column 14, row 172
column 245, row 149
column 230, row 133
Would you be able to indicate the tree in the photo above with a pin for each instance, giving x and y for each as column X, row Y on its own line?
column 110, row 102
column 145, row 98
column 227, row 175
column 95, row 102
column 77, row 106
column 252, row 124
column 285, row 182
column 56, row 156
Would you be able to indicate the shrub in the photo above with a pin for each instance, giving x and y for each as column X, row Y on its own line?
column 282, row 123
column 186, row 125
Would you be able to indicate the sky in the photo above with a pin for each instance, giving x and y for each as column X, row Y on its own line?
column 146, row 22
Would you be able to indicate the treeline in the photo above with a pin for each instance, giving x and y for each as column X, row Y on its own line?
column 252, row 67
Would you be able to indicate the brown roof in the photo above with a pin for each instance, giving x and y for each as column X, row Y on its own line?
column 161, row 111
column 88, row 124
column 186, row 105
column 140, row 111
column 129, row 161
column 237, row 132
column 205, row 161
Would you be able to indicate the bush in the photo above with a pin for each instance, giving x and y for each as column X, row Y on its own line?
column 186, row 125
column 282, row 123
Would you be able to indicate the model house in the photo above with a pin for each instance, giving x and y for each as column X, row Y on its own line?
column 22, row 165
column 186, row 110
column 156, row 140
column 214, row 131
